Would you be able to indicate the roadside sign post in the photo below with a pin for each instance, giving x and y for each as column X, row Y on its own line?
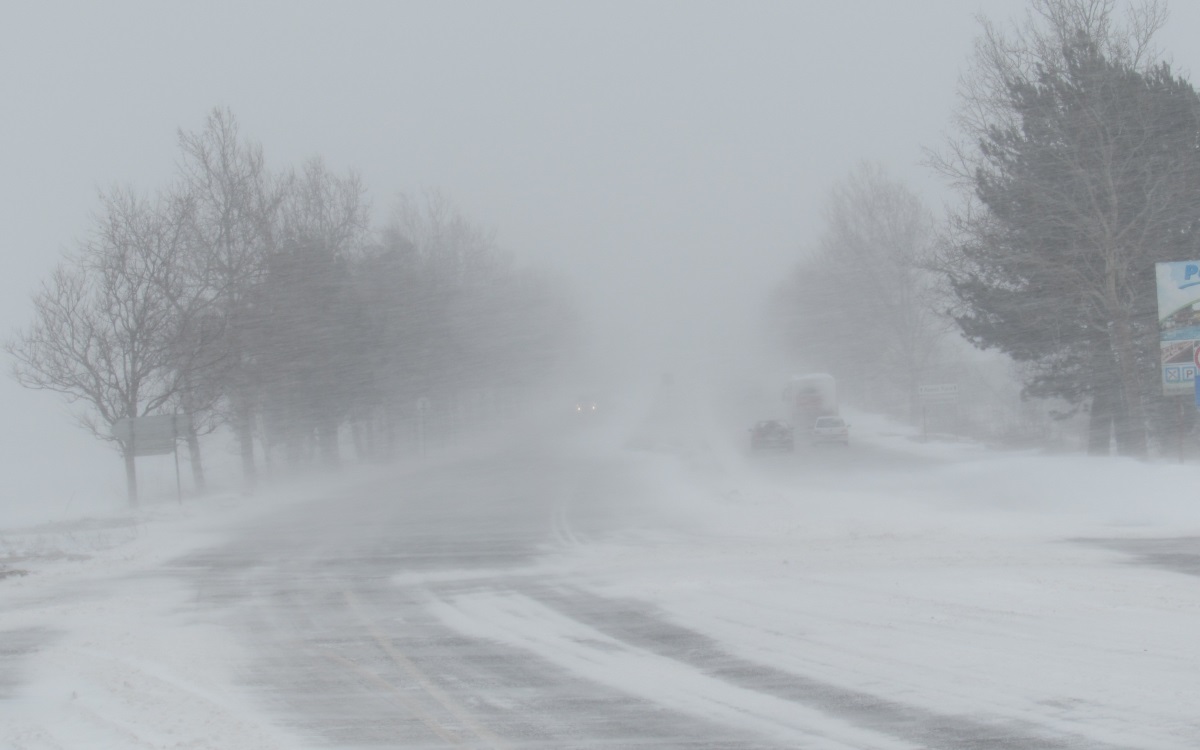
column 1178, row 292
column 175, row 443
column 1181, row 417
column 1178, row 286
column 155, row 435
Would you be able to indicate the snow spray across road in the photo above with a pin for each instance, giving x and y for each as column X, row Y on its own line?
column 565, row 590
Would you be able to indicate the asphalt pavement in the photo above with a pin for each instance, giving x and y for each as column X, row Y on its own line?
column 335, row 599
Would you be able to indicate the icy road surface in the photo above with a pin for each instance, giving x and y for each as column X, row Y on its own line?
column 566, row 592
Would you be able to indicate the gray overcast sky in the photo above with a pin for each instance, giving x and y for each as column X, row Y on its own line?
column 668, row 157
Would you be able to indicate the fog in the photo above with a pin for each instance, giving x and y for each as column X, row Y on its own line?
column 620, row 458
column 667, row 160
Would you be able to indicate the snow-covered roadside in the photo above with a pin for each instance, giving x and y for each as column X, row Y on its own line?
column 967, row 587
column 105, row 649
column 102, row 645
column 958, row 582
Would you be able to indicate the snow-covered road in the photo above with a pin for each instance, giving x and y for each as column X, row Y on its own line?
column 564, row 592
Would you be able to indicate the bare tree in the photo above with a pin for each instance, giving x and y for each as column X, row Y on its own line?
column 309, row 328
column 454, row 258
column 254, row 300
column 451, row 318
column 236, row 201
column 865, row 304
column 198, row 356
column 103, row 333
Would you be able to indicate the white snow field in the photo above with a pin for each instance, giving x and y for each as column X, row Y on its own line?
column 895, row 594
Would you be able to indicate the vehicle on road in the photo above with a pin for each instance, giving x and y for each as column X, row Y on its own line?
column 772, row 434
column 831, row 430
column 811, row 396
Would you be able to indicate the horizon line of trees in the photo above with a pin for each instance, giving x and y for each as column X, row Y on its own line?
column 265, row 301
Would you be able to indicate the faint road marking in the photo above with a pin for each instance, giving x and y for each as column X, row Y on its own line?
column 430, row 688
column 422, row 715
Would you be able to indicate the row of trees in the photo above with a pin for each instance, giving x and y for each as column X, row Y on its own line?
column 264, row 301
column 1078, row 161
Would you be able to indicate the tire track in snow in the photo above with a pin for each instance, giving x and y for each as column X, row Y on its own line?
column 524, row 623
column 600, row 626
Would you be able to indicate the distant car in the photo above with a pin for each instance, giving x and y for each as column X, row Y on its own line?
column 831, row 430
column 586, row 405
column 772, row 434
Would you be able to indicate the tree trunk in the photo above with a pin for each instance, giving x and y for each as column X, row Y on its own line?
column 130, row 475
column 244, row 427
column 193, row 439
column 193, row 443
column 1184, row 416
column 1100, row 422
column 1130, row 411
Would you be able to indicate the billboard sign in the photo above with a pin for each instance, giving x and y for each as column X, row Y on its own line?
column 150, row 436
column 1179, row 325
